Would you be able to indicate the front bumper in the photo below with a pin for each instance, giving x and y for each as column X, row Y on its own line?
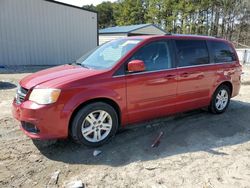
column 48, row 120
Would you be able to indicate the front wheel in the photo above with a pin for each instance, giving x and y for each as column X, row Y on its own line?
column 94, row 124
column 220, row 100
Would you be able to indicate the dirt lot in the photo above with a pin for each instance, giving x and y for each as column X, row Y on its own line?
column 198, row 149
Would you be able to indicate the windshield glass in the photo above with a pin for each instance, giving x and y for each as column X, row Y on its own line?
column 108, row 54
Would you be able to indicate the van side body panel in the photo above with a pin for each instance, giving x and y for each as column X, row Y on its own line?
column 139, row 97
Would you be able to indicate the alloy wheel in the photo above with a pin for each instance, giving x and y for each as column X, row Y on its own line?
column 222, row 99
column 96, row 126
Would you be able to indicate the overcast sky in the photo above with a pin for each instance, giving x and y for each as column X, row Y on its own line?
column 83, row 2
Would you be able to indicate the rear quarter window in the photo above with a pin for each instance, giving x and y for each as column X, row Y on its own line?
column 221, row 52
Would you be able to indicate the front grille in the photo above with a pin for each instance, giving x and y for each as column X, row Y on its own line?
column 21, row 94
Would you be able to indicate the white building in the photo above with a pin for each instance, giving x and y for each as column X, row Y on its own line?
column 244, row 55
column 112, row 33
column 44, row 32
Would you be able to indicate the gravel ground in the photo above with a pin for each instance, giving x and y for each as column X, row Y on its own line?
column 197, row 149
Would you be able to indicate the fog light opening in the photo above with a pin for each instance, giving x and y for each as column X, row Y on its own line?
column 29, row 127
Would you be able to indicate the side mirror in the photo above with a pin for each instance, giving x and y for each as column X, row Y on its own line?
column 136, row 66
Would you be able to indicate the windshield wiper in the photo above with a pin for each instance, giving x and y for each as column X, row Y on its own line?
column 76, row 63
column 85, row 66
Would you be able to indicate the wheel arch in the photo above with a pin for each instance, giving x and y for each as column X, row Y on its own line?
column 100, row 99
column 212, row 107
column 227, row 83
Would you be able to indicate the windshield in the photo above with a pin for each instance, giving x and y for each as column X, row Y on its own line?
column 108, row 54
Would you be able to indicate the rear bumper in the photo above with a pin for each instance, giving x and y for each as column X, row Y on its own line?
column 236, row 88
column 48, row 120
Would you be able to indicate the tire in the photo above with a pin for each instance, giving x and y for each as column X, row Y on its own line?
column 214, row 107
column 94, row 124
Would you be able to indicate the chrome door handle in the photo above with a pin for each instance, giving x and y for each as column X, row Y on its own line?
column 185, row 74
column 170, row 76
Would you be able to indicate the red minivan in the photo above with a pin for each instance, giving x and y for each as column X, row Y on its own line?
column 126, row 81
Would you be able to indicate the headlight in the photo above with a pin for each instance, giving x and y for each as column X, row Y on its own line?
column 44, row 96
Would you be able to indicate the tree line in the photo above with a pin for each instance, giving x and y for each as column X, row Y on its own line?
column 229, row 19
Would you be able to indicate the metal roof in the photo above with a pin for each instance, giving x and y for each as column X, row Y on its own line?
column 69, row 5
column 124, row 29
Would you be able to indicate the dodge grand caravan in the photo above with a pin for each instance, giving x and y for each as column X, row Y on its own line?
column 126, row 81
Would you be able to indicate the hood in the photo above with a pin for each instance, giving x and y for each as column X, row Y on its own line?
column 56, row 75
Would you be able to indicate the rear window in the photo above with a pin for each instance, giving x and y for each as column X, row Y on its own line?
column 192, row 52
column 221, row 52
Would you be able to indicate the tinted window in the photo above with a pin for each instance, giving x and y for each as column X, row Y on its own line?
column 192, row 52
column 155, row 55
column 221, row 52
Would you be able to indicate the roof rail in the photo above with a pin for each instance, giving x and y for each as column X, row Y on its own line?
column 191, row 35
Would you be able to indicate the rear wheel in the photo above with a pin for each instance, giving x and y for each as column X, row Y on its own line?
column 94, row 124
column 220, row 100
